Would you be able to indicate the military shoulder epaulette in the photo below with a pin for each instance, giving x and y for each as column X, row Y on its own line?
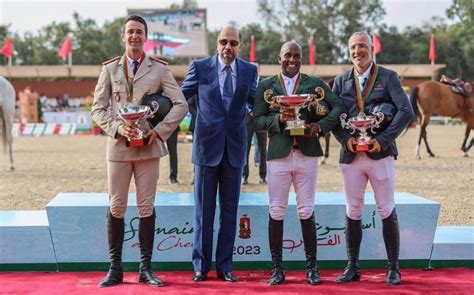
column 159, row 60
column 111, row 60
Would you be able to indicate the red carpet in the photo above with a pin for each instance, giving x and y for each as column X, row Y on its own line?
column 414, row 281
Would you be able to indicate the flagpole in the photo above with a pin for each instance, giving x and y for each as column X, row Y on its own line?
column 10, row 61
column 69, row 57
column 375, row 54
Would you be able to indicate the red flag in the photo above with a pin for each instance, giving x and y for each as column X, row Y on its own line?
column 312, row 52
column 253, row 55
column 377, row 45
column 432, row 54
column 7, row 48
column 66, row 48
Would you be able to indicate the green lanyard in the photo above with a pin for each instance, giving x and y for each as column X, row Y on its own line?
column 362, row 97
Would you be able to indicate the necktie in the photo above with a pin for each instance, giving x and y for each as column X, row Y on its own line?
column 135, row 67
column 228, row 88
column 363, row 82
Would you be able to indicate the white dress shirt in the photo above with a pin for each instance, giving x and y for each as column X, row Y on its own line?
column 364, row 77
column 290, row 83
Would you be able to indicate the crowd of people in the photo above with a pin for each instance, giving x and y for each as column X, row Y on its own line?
column 231, row 103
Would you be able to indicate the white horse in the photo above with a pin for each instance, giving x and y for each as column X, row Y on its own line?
column 7, row 112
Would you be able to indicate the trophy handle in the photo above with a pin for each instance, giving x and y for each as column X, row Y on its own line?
column 314, row 99
column 346, row 124
column 379, row 116
column 271, row 100
column 152, row 110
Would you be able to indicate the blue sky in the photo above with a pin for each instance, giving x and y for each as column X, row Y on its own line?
column 31, row 15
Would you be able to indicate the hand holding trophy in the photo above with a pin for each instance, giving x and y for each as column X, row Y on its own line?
column 133, row 117
column 362, row 122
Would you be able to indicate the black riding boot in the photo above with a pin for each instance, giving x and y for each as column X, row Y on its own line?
column 353, row 238
column 308, row 227
column 275, row 236
column 115, row 231
column 146, row 236
column 391, row 237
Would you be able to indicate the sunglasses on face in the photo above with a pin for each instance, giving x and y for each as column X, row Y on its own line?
column 224, row 42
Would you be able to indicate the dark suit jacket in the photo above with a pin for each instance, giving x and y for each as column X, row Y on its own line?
column 266, row 118
column 387, row 89
column 215, row 127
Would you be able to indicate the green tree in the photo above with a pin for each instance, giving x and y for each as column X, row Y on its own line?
column 460, row 37
column 267, row 43
column 330, row 22
column 112, row 44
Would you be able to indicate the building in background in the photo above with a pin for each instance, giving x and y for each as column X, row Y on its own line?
column 175, row 32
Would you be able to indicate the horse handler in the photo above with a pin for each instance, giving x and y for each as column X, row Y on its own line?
column 127, row 79
column 368, row 84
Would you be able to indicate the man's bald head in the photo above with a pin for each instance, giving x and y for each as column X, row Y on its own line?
column 290, row 57
column 229, row 44
column 289, row 44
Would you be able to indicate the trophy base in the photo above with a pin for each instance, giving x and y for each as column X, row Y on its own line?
column 362, row 147
column 137, row 142
column 297, row 131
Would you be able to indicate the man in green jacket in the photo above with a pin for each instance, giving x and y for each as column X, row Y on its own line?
column 293, row 159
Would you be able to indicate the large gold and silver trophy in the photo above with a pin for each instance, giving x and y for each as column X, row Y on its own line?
column 296, row 102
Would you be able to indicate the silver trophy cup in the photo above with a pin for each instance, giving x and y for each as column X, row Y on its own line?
column 134, row 116
column 362, row 122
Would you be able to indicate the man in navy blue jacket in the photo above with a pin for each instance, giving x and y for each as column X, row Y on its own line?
column 361, row 89
column 224, row 84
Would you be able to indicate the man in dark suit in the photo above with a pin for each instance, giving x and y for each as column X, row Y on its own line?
column 292, row 159
column 360, row 88
column 224, row 85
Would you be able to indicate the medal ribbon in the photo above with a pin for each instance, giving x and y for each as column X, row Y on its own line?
column 129, row 84
column 282, row 83
column 362, row 97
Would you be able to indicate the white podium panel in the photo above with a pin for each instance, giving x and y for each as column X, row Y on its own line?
column 78, row 223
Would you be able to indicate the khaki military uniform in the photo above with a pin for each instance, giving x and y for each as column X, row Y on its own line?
column 112, row 92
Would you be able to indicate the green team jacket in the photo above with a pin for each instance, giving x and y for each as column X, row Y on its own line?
column 266, row 118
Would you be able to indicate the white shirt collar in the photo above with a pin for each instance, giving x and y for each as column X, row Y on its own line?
column 221, row 65
column 131, row 60
column 290, row 80
column 365, row 74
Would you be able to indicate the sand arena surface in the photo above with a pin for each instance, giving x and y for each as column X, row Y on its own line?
column 48, row 165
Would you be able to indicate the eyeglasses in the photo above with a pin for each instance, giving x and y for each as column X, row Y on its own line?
column 233, row 43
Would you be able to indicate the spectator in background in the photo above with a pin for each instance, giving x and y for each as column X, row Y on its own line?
column 261, row 147
column 172, row 145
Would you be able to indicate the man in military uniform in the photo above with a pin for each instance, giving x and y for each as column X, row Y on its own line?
column 360, row 89
column 293, row 159
column 126, row 79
